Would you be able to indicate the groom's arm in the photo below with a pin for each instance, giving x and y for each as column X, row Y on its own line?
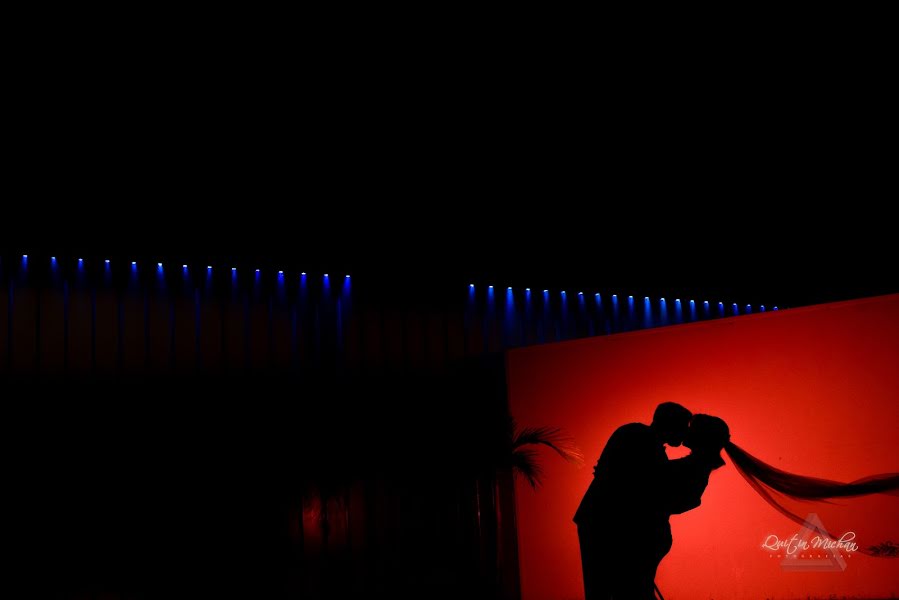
column 684, row 484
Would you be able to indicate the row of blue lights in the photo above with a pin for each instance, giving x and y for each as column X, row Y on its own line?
column 159, row 266
column 646, row 300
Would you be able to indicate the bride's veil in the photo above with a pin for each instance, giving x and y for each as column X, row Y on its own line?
column 866, row 507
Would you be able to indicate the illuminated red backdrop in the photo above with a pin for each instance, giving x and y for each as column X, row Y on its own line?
column 814, row 391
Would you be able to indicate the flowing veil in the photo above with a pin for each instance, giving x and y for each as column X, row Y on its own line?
column 867, row 507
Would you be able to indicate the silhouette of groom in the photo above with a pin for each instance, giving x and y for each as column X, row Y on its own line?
column 622, row 520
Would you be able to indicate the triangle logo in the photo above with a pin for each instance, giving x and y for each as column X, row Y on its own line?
column 813, row 531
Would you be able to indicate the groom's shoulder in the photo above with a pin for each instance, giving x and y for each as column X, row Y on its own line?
column 635, row 428
column 632, row 431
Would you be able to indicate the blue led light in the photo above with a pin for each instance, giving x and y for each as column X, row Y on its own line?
column 471, row 285
column 184, row 267
column 545, row 291
column 25, row 256
column 580, row 293
column 257, row 270
column 159, row 265
column 280, row 272
column 106, row 261
column 489, row 287
column 509, row 288
column 303, row 273
column 775, row 308
column 527, row 289
column 647, row 312
column 208, row 268
column 326, row 274
column 233, row 268
column 346, row 277
column 133, row 263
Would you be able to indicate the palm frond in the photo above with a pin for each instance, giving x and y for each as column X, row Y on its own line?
column 551, row 437
column 524, row 462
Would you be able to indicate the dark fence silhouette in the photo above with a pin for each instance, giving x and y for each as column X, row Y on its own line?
column 209, row 429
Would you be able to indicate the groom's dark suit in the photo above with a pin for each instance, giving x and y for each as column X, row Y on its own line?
column 623, row 518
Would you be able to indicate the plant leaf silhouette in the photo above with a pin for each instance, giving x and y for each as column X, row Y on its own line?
column 525, row 461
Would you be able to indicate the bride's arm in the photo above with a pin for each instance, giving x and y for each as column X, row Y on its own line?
column 685, row 481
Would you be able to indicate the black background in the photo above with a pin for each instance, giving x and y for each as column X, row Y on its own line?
column 419, row 164
column 426, row 162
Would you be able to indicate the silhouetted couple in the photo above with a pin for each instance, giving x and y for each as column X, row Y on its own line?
column 622, row 520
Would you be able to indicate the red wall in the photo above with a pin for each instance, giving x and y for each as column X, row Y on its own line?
column 814, row 391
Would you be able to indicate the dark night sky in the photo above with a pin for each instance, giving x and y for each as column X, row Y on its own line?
column 749, row 184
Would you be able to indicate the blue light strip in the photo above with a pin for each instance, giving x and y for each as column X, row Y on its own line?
column 108, row 265
column 591, row 318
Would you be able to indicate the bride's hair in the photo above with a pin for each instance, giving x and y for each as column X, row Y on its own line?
column 707, row 436
column 709, row 431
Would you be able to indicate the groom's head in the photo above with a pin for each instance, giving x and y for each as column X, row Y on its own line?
column 671, row 421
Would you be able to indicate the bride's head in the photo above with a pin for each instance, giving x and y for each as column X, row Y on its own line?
column 707, row 435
